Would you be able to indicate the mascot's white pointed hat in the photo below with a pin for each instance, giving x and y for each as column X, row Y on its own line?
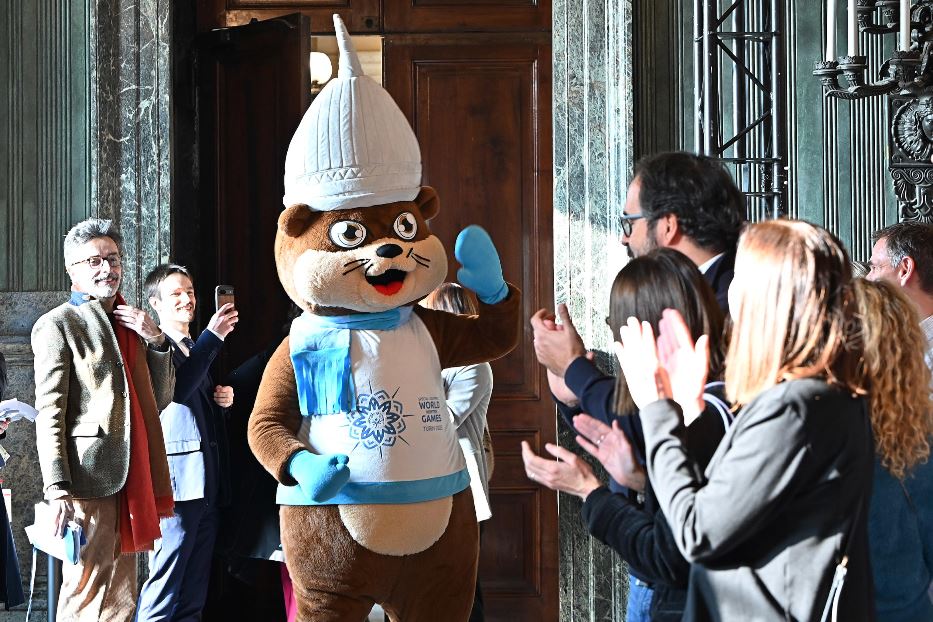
column 354, row 147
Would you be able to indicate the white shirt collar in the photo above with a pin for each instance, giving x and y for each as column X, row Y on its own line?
column 927, row 327
column 709, row 262
column 177, row 337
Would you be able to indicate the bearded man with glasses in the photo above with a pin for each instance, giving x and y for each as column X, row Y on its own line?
column 691, row 204
column 103, row 373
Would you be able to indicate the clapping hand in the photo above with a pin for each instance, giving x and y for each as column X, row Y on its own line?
column 686, row 363
column 612, row 448
column 569, row 473
column 638, row 356
column 673, row 367
column 556, row 345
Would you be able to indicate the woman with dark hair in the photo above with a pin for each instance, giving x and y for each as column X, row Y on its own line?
column 768, row 523
column 626, row 515
column 900, row 518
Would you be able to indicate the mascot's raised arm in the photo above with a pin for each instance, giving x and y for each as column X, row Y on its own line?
column 351, row 417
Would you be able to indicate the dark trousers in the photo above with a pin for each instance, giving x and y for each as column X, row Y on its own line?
column 477, row 614
column 179, row 567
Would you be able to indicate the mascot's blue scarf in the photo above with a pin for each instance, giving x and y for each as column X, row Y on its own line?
column 320, row 352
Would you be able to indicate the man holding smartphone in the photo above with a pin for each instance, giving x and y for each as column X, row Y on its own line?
column 195, row 441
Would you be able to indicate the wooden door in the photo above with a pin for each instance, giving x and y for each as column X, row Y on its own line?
column 253, row 88
column 481, row 109
column 466, row 15
column 358, row 15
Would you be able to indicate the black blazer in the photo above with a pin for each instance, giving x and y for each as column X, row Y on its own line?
column 719, row 276
column 252, row 529
column 638, row 533
column 194, row 388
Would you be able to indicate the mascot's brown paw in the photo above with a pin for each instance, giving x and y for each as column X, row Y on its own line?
column 403, row 529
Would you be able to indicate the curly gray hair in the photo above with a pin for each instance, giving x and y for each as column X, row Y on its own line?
column 87, row 230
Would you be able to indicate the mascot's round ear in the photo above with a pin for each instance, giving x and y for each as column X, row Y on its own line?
column 295, row 219
column 428, row 202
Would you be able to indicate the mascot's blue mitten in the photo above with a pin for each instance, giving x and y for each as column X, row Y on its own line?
column 319, row 477
column 481, row 271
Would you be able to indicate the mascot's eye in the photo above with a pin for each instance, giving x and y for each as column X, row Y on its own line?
column 406, row 226
column 347, row 233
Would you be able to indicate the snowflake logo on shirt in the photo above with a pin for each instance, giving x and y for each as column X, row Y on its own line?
column 377, row 421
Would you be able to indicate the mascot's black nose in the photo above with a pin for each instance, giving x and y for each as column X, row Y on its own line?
column 389, row 251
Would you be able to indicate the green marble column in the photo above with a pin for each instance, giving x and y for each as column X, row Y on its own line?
column 592, row 165
column 84, row 130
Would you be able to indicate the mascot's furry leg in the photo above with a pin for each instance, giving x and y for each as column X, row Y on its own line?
column 330, row 571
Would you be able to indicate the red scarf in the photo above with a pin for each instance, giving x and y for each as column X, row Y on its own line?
column 140, row 509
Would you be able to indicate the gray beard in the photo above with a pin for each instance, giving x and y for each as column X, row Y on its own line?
column 103, row 290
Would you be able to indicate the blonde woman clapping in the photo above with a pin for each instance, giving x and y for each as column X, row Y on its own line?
column 784, row 497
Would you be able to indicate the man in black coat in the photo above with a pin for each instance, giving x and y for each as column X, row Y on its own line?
column 195, row 441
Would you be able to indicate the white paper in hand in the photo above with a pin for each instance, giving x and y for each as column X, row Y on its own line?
column 67, row 548
column 14, row 410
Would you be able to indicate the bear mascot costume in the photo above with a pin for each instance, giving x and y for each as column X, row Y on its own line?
column 351, row 417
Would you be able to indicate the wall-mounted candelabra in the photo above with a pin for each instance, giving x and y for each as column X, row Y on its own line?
column 906, row 79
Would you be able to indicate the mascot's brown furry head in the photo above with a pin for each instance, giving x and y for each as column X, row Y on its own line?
column 364, row 259
column 354, row 235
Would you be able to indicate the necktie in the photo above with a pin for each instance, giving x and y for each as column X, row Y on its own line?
column 188, row 342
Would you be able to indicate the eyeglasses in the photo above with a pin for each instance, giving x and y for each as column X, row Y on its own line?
column 625, row 221
column 95, row 261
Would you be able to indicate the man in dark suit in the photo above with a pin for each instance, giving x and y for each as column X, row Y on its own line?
column 691, row 204
column 195, row 442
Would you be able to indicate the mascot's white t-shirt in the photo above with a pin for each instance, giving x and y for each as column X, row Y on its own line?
column 401, row 439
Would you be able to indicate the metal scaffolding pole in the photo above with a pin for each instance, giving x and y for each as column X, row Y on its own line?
column 742, row 41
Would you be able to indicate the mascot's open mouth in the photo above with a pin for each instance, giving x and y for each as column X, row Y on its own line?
column 387, row 283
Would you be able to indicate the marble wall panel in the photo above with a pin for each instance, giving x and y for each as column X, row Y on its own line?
column 837, row 150
column 18, row 312
column 119, row 51
column 130, row 129
column 592, row 43
column 43, row 138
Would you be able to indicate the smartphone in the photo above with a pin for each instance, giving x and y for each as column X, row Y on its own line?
column 222, row 295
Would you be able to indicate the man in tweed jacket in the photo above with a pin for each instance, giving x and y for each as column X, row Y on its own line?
column 103, row 372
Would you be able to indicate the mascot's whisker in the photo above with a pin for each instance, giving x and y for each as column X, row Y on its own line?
column 364, row 264
column 422, row 264
column 417, row 256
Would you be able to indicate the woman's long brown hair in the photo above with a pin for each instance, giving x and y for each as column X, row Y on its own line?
column 664, row 279
column 793, row 310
